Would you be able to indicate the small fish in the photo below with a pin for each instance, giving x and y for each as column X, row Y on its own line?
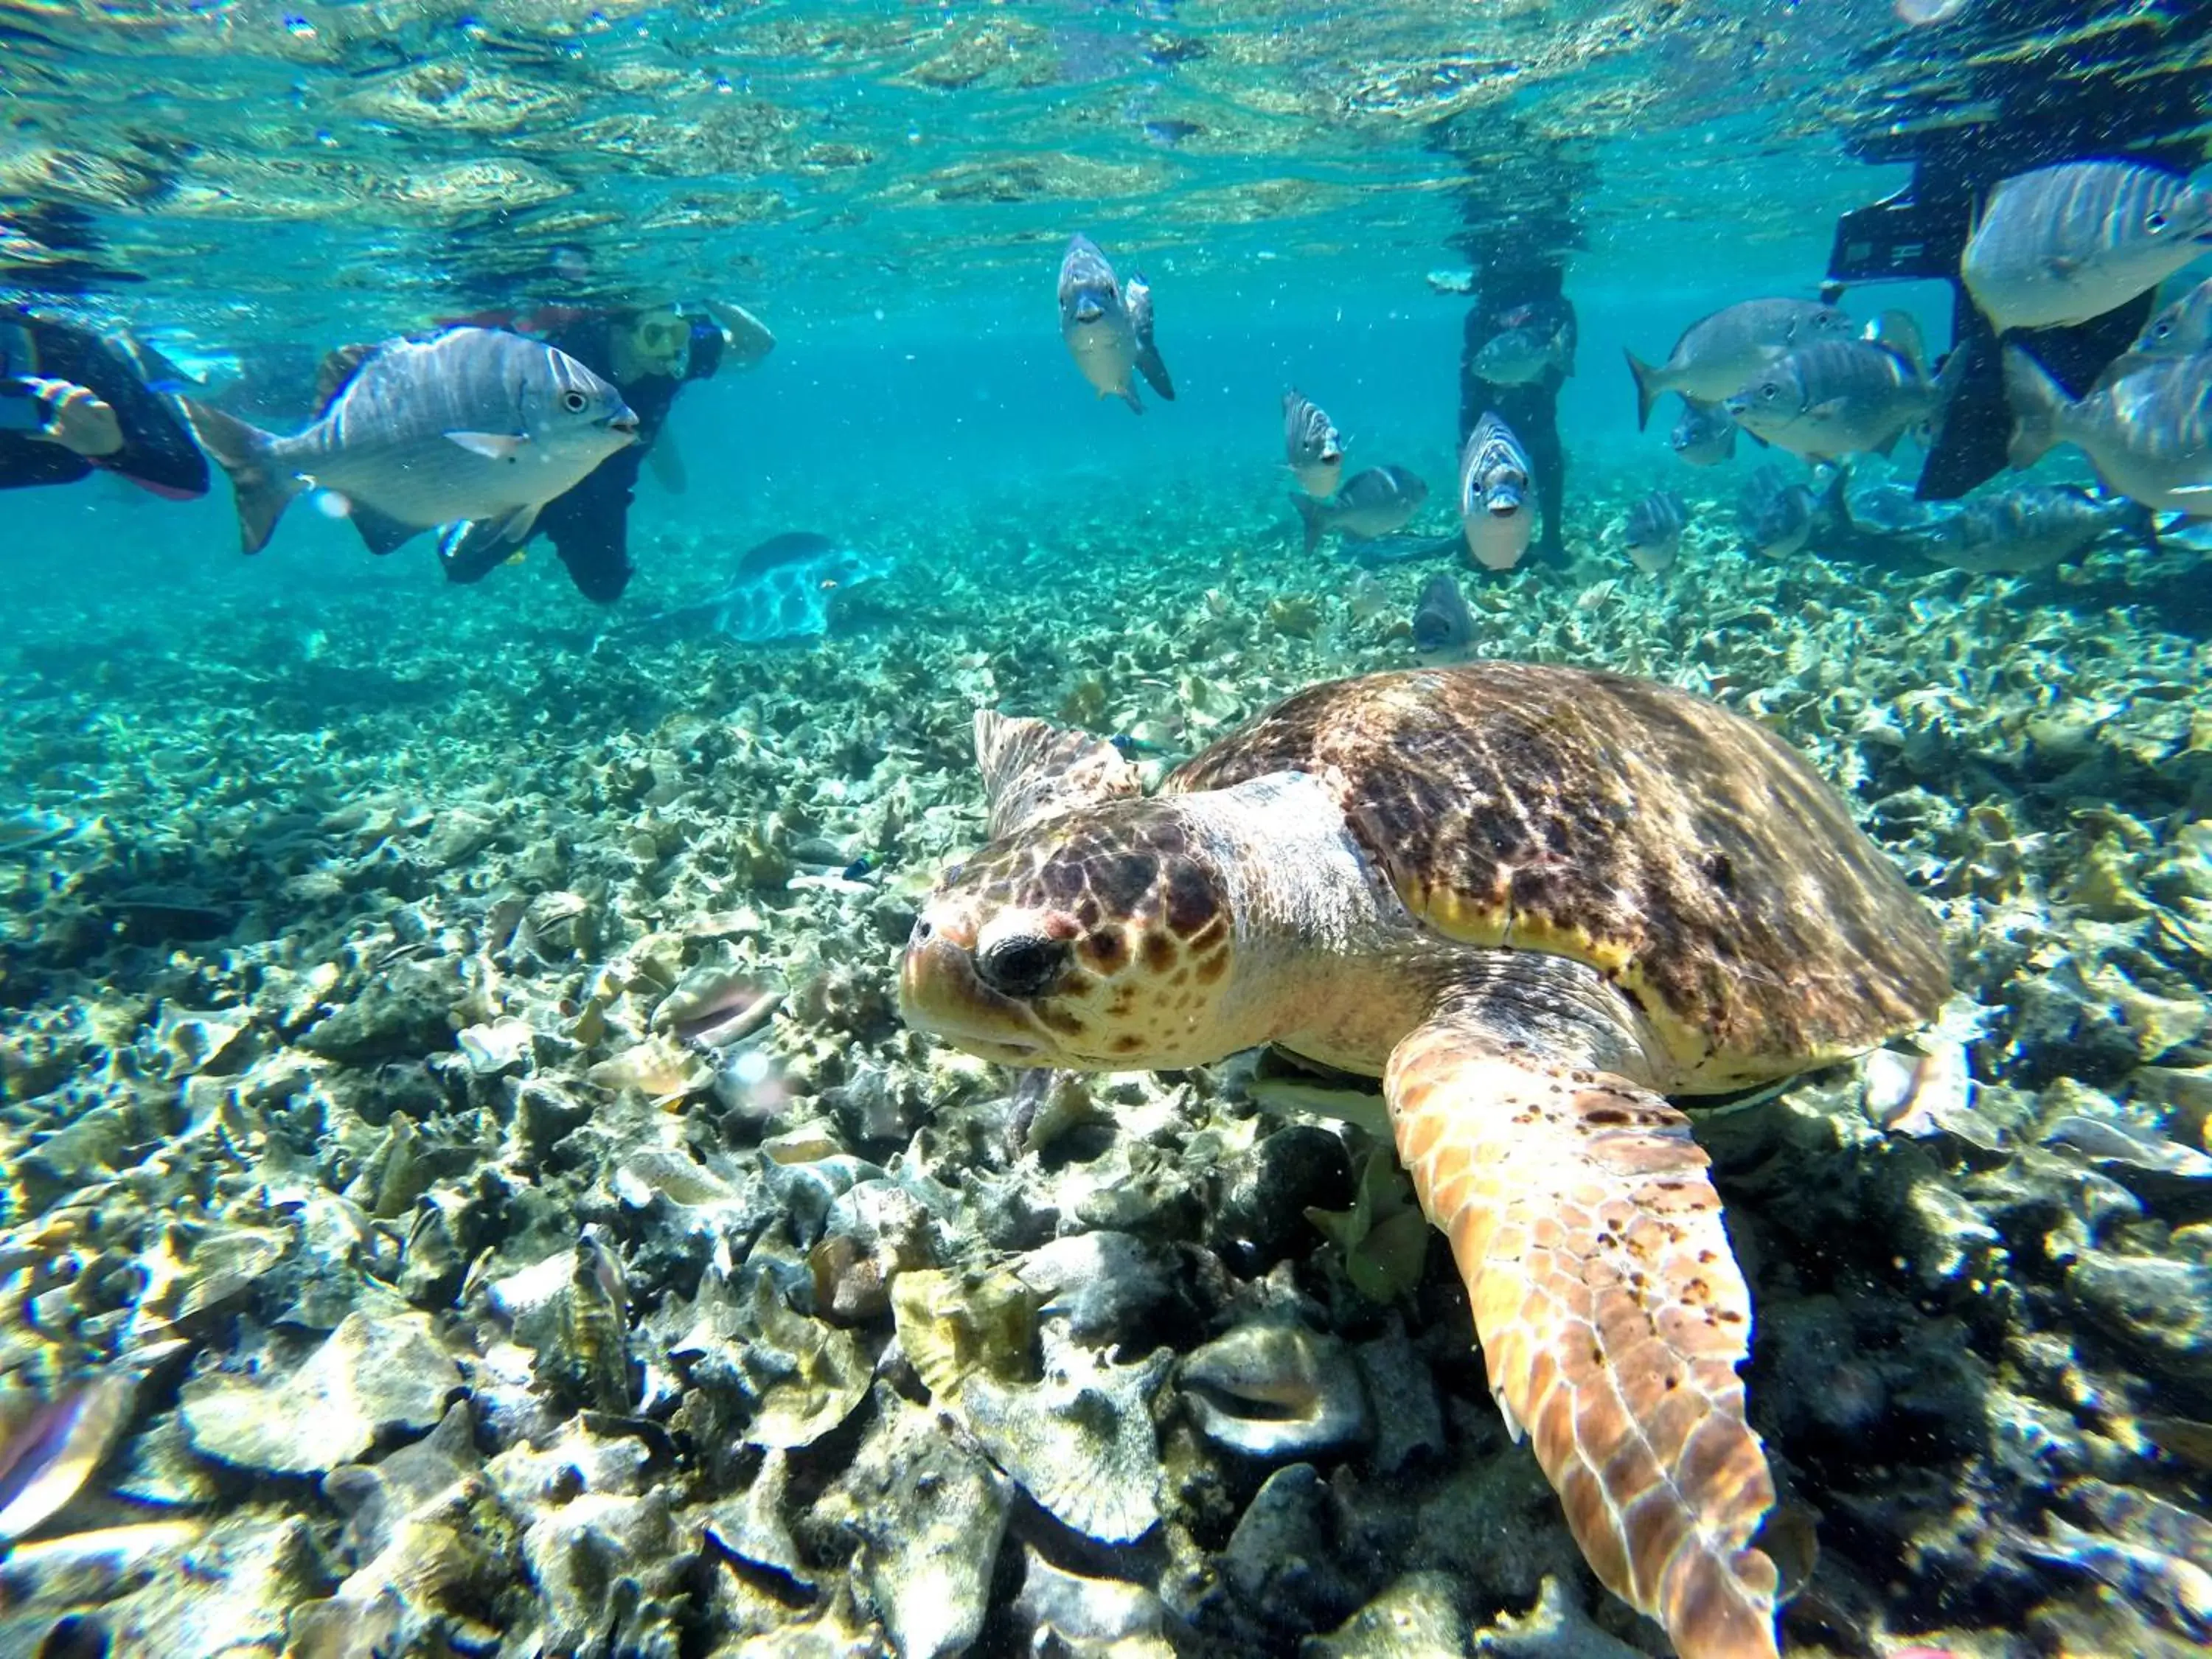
column 1108, row 330
column 53, row 1448
column 783, row 589
column 2064, row 244
column 1451, row 281
column 1717, row 355
column 2032, row 528
column 1494, row 508
column 2147, row 425
column 1444, row 628
column 33, row 828
column 473, row 423
column 1924, row 14
column 858, row 868
column 1310, row 442
column 2173, row 1589
column 1375, row 502
column 1776, row 513
column 1838, row 397
column 1704, row 436
column 1654, row 532
column 2182, row 329
column 1522, row 355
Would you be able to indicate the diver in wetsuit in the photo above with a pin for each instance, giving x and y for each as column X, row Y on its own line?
column 1517, row 208
column 1511, row 295
column 2115, row 92
column 73, row 403
column 650, row 355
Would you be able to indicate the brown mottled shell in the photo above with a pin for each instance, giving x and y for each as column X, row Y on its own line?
column 1684, row 851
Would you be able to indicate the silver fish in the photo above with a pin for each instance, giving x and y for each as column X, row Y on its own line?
column 1108, row 331
column 1444, row 628
column 1839, row 396
column 2064, row 244
column 1494, row 508
column 473, row 423
column 1717, row 355
column 1775, row 513
column 1654, row 532
column 1920, row 14
column 1311, row 444
column 1519, row 356
column 2032, row 528
column 1704, row 436
column 2147, row 425
column 1375, row 502
column 2182, row 329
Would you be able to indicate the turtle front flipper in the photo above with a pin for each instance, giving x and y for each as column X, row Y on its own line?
column 1611, row 1313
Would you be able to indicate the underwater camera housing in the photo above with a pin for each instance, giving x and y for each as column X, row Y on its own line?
column 2076, row 85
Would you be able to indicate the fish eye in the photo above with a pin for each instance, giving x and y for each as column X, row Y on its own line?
column 574, row 401
column 2155, row 222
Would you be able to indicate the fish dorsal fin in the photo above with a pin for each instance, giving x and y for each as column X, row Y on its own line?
column 335, row 372
column 1034, row 770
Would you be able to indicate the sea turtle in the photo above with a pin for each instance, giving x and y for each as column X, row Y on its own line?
column 1537, row 900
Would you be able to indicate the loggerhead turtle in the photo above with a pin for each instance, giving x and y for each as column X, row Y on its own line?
column 1536, row 901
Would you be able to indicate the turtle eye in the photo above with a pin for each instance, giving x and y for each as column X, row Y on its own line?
column 1021, row 965
column 574, row 401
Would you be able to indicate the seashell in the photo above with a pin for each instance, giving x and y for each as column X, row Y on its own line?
column 872, row 1233
column 493, row 1048
column 718, row 1004
column 1275, row 1390
column 84, row 1567
column 805, row 1376
column 952, row 1328
column 373, row 1373
column 929, row 1514
column 587, row 1358
column 655, row 1068
column 189, row 1043
column 1063, row 1611
column 1079, row 1441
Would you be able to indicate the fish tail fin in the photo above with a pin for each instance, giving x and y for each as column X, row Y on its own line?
column 2037, row 399
column 1317, row 521
column 1647, row 389
column 247, row 455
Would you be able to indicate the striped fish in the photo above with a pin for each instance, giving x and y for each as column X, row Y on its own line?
column 1493, row 495
column 1310, row 443
column 2064, row 244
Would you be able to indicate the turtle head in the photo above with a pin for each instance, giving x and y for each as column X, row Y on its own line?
column 1095, row 939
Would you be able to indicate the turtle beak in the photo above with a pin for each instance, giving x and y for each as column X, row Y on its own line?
column 940, row 993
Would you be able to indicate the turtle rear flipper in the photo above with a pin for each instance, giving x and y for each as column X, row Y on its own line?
column 1611, row 1313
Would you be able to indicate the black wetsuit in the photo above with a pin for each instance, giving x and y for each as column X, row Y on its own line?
column 1511, row 297
column 589, row 526
column 157, row 451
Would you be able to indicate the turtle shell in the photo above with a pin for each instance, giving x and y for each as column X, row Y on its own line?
column 1684, row 852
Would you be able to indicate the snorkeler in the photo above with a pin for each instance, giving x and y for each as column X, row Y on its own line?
column 649, row 353
column 73, row 403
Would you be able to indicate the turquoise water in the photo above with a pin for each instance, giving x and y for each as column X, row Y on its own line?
column 387, row 1266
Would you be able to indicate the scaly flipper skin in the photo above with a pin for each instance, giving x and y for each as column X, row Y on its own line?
column 1611, row 1313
